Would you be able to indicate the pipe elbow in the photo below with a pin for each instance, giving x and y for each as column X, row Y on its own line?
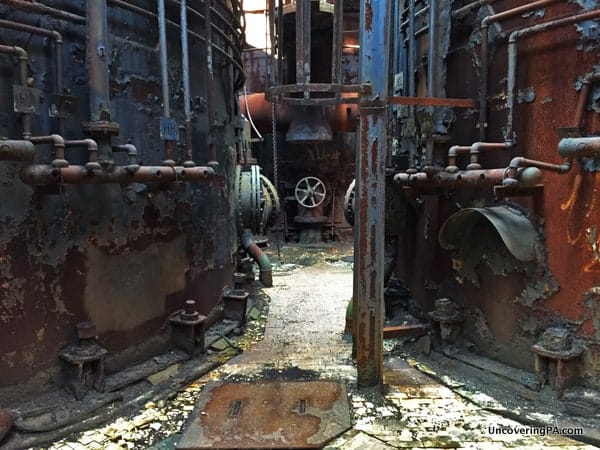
column 91, row 145
column 57, row 37
column 20, row 52
column 453, row 151
column 516, row 162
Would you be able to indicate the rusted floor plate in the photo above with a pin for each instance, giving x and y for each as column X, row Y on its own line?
column 269, row 414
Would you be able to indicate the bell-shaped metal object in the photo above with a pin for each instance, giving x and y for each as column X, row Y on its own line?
column 308, row 125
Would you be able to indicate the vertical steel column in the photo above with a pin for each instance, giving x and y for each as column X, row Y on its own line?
column 303, row 41
column 185, row 67
column 370, row 163
column 337, row 39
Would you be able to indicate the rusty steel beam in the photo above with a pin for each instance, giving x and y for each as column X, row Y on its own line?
column 368, row 313
column 44, row 175
column 433, row 101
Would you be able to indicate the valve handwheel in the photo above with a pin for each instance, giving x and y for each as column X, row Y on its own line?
column 310, row 192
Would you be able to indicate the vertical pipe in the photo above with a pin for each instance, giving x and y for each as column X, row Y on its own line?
column 303, row 42
column 280, row 41
column 368, row 308
column 431, row 53
column 483, row 77
column 185, row 67
column 412, row 49
column 337, row 42
column 210, row 77
column 58, row 48
column 164, row 75
column 162, row 35
column 97, row 53
column 274, row 69
column 512, row 59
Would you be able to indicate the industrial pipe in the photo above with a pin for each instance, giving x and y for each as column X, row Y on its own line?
column 266, row 271
column 92, row 147
column 43, row 174
column 470, row 178
column 34, row 6
column 58, row 41
column 11, row 150
column 474, row 150
column 579, row 147
column 511, row 178
column 512, row 58
column 164, row 75
column 21, row 54
column 586, row 84
column 58, row 144
column 132, row 154
column 185, row 68
column 483, row 81
column 431, row 51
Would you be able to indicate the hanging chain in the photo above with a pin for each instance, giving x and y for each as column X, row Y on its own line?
column 276, row 172
column 275, row 153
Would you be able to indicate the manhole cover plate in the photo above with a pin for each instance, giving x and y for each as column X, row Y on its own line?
column 270, row 414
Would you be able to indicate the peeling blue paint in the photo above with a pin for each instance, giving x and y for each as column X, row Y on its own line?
column 547, row 99
column 590, row 35
column 538, row 13
column 587, row 5
column 526, row 95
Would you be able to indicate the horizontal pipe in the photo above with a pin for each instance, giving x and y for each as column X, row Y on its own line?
column 11, row 150
column 43, row 175
column 34, row 6
column 511, row 173
column 474, row 150
column 579, row 147
column 487, row 177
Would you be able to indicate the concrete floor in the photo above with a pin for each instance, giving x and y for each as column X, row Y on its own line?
column 304, row 336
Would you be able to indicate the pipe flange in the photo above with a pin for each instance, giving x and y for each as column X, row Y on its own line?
column 101, row 127
column 60, row 163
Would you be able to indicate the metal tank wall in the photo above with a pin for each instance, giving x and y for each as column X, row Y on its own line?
column 121, row 252
column 506, row 304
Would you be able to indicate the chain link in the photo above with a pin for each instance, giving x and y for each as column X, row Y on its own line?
column 275, row 153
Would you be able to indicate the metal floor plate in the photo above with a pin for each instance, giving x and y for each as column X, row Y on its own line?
column 267, row 414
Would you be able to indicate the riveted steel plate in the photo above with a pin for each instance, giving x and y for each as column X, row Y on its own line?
column 269, row 414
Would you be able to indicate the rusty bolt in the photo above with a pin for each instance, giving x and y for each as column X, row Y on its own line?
column 189, row 311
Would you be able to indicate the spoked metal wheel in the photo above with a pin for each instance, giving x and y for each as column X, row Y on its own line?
column 310, row 192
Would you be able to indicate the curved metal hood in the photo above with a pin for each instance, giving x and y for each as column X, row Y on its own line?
column 516, row 231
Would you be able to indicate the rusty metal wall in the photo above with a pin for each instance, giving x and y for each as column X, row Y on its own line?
column 122, row 256
column 506, row 310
